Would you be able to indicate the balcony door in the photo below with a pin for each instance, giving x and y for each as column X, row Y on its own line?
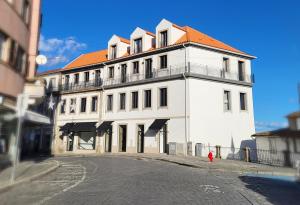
column 123, row 73
column 148, row 68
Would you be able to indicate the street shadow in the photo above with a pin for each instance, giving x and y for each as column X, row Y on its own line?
column 275, row 190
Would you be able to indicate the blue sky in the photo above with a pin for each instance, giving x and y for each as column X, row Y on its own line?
column 269, row 30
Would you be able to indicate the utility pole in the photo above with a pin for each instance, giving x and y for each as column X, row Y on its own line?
column 22, row 104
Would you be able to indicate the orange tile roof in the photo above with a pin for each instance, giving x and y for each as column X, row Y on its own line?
column 49, row 72
column 88, row 59
column 195, row 36
column 191, row 35
column 124, row 40
column 150, row 33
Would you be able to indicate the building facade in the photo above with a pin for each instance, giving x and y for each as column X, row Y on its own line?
column 19, row 34
column 162, row 92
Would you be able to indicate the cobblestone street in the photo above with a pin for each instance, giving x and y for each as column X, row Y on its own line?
column 132, row 180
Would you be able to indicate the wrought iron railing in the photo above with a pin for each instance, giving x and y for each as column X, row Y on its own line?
column 199, row 70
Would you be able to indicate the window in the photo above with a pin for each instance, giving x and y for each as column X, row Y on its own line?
column 122, row 101
column 21, row 60
column 147, row 101
column 163, row 97
column 52, row 83
column 3, row 46
column 243, row 101
column 97, row 75
column 63, row 107
column 13, row 53
column 135, row 100
column 272, row 145
column 137, row 45
column 226, row 64
column 76, row 78
column 111, row 72
column 109, row 102
column 113, row 52
column 241, row 71
column 163, row 38
column 73, row 105
column 86, row 76
column 94, row 104
column 67, row 80
column 83, row 105
column 163, row 61
column 25, row 11
column 227, row 100
column 135, row 67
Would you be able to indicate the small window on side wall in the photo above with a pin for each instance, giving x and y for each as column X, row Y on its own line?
column 227, row 100
column 243, row 101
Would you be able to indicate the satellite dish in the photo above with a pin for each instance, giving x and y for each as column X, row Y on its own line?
column 41, row 60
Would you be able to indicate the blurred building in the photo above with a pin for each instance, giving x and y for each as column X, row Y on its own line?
column 282, row 145
column 19, row 35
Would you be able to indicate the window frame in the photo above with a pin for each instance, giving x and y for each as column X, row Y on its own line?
column 70, row 111
column 160, row 99
column 83, row 99
column 145, row 100
column 136, row 69
column 226, row 64
column 132, row 100
column 166, row 61
column 109, row 96
column 122, row 99
column 111, row 72
column 92, row 103
column 113, row 51
column 245, row 101
column 165, row 40
column 136, row 47
column 229, row 101
column 63, row 104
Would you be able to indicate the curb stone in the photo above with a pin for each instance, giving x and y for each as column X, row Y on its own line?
column 28, row 179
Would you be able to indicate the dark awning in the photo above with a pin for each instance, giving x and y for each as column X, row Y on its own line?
column 66, row 127
column 158, row 124
column 79, row 127
column 104, row 126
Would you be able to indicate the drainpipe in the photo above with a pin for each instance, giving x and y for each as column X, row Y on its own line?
column 185, row 101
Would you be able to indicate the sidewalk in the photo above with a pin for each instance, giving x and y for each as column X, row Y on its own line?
column 240, row 167
column 26, row 171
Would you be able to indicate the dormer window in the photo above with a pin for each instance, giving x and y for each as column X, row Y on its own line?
column 113, row 51
column 163, row 38
column 137, row 45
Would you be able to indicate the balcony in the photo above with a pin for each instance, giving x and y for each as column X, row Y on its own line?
column 197, row 71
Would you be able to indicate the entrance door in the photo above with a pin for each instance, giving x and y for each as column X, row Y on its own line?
column 163, row 139
column 122, row 138
column 123, row 73
column 108, row 139
column 148, row 68
column 70, row 142
column 140, row 139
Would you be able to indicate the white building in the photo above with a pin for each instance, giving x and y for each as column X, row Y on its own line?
column 177, row 87
column 280, row 147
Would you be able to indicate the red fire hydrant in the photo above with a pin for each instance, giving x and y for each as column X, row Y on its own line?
column 210, row 156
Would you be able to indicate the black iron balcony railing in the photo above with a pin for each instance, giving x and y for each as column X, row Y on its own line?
column 196, row 70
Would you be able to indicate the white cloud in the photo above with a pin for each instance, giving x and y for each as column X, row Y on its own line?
column 262, row 126
column 60, row 50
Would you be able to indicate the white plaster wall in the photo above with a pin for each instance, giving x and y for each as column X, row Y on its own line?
column 209, row 123
column 87, row 116
column 121, row 46
column 199, row 56
column 174, row 34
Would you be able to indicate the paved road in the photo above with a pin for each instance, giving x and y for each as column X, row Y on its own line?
column 125, row 180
